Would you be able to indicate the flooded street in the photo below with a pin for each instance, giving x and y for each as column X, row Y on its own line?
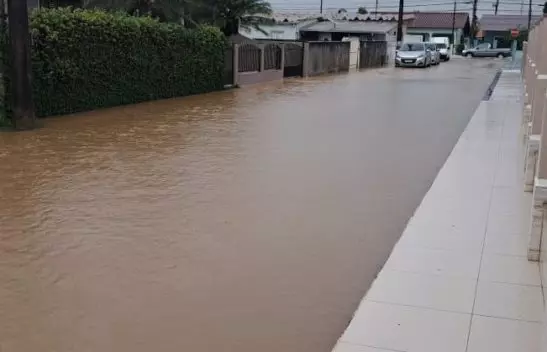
column 250, row 220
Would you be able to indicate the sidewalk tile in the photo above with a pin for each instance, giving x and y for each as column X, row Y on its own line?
column 421, row 290
column 503, row 335
column 435, row 262
column 509, row 224
column 348, row 347
column 509, row 269
column 506, row 244
column 509, row 301
column 409, row 329
column 450, row 240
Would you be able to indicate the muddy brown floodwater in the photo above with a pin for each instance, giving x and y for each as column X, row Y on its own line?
column 250, row 220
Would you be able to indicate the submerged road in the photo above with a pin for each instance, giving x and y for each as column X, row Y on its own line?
column 250, row 220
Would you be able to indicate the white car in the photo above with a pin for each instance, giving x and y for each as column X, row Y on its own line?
column 443, row 45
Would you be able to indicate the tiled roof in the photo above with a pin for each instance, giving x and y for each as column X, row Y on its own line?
column 298, row 17
column 435, row 20
column 439, row 20
column 350, row 27
column 505, row 22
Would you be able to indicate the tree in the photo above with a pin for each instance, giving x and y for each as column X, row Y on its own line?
column 228, row 15
column 342, row 10
column 164, row 10
column 362, row 10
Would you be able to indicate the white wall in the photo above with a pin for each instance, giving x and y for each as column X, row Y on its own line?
column 281, row 31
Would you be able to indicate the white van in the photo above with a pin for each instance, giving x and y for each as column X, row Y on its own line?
column 443, row 44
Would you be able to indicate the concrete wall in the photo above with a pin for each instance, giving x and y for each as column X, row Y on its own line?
column 281, row 31
column 354, row 52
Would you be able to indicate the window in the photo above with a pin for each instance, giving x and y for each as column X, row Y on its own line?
column 413, row 47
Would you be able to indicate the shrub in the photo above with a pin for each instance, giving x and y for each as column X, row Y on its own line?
column 88, row 59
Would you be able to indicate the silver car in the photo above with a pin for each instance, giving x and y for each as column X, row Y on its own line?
column 413, row 55
column 435, row 53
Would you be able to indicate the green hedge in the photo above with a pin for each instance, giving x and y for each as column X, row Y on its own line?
column 88, row 59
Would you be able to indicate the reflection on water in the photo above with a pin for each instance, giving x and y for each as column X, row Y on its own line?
column 245, row 220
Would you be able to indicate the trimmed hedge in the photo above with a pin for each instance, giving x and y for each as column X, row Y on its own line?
column 89, row 59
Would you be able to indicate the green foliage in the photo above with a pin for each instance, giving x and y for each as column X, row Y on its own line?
column 225, row 14
column 88, row 59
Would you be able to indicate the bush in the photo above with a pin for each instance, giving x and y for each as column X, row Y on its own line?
column 88, row 59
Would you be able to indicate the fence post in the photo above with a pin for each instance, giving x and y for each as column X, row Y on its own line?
column 261, row 68
column 235, row 64
column 305, row 59
column 524, row 58
column 282, row 61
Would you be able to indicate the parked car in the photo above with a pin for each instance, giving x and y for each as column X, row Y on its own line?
column 435, row 54
column 413, row 55
column 485, row 50
column 443, row 45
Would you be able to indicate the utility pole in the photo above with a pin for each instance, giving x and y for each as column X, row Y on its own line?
column 376, row 10
column 474, row 20
column 496, row 7
column 321, row 8
column 23, row 106
column 529, row 15
column 400, row 22
column 454, row 27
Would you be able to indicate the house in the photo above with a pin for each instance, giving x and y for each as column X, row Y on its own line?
column 437, row 24
column 496, row 29
column 287, row 25
column 330, row 30
column 280, row 26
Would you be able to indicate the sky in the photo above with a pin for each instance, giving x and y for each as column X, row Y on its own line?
column 484, row 6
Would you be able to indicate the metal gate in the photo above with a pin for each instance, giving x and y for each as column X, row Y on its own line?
column 373, row 54
column 294, row 55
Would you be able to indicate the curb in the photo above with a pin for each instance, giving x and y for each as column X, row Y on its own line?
column 490, row 90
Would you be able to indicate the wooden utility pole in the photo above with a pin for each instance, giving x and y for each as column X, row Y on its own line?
column 20, row 80
column 474, row 20
column 496, row 6
column 321, row 7
column 454, row 27
column 529, row 16
column 400, row 22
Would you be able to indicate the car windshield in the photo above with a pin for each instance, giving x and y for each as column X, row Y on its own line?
column 441, row 46
column 413, row 47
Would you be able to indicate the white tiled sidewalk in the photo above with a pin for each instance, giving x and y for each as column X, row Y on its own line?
column 459, row 280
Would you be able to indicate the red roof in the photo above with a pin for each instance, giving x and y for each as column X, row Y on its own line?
column 439, row 20
column 436, row 20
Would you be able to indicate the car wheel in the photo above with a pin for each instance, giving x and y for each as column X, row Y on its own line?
column 469, row 55
column 501, row 56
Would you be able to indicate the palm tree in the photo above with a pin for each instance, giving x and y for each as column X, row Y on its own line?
column 165, row 10
column 229, row 15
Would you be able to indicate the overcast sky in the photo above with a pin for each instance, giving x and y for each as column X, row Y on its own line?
column 484, row 6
